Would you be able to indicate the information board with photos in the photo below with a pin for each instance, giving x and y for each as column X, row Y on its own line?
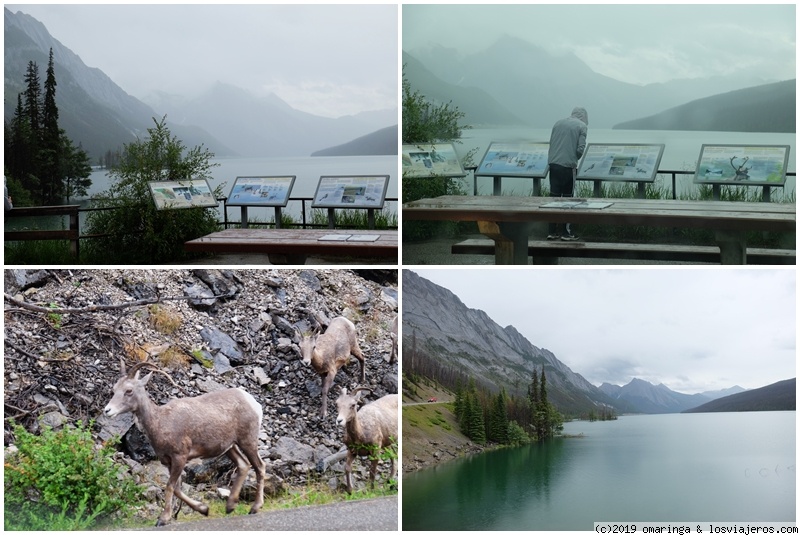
column 438, row 159
column 261, row 191
column 620, row 162
column 515, row 159
column 351, row 191
column 171, row 194
column 761, row 165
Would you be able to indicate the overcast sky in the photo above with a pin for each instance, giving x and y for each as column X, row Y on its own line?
column 691, row 329
column 634, row 43
column 329, row 60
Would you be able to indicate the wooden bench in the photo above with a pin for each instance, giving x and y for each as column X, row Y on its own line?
column 550, row 250
column 294, row 246
column 72, row 234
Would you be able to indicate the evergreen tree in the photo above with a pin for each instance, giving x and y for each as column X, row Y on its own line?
column 458, row 405
column 543, row 388
column 477, row 431
column 20, row 156
column 39, row 156
column 498, row 419
column 50, row 151
column 75, row 168
column 33, row 99
column 533, row 389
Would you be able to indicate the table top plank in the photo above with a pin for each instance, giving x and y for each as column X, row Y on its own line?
column 720, row 215
column 296, row 241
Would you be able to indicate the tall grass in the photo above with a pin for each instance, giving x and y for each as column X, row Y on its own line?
column 355, row 219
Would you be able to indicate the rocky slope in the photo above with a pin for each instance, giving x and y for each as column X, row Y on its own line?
column 470, row 340
column 65, row 332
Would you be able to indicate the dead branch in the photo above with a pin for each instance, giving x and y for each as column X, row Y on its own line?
column 97, row 308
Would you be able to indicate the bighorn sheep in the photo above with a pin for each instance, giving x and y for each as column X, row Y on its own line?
column 368, row 430
column 393, row 334
column 207, row 426
column 328, row 352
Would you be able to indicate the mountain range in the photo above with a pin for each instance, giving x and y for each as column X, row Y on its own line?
column 780, row 396
column 645, row 397
column 514, row 82
column 229, row 121
column 437, row 323
column 766, row 108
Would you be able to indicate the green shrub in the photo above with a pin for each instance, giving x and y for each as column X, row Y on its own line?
column 61, row 480
column 132, row 230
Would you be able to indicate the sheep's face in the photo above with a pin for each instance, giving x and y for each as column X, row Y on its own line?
column 128, row 394
column 307, row 345
column 347, row 407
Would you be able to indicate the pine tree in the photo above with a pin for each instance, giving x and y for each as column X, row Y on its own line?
column 499, row 418
column 33, row 99
column 50, row 151
column 533, row 389
column 477, row 431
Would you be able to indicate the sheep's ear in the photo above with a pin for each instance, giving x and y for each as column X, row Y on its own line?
column 343, row 390
column 122, row 367
column 146, row 378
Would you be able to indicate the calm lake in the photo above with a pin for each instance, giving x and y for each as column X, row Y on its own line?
column 718, row 467
column 681, row 151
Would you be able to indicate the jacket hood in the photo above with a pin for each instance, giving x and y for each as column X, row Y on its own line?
column 580, row 114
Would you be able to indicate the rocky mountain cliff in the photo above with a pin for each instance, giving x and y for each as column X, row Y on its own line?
column 442, row 326
column 60, row 367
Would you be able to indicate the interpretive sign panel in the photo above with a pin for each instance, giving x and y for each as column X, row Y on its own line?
column 261, row 191
column 170, row 194
column 763, row 165
column 431, row 160
column 351, row 191
column 515, row 159
column 620, row 162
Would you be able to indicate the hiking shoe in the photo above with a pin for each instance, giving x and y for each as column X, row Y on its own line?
column 569, row 237
column 553, row 236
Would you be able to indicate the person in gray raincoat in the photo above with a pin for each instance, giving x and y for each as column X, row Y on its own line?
column 567, row 143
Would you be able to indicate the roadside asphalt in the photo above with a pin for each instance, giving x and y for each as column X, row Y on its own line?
column 378, row 514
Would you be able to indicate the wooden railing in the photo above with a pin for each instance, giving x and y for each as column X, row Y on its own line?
column 72, row 234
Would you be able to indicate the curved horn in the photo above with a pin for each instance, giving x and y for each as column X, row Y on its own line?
column 361, row 389
column 150, row 365
column 139, row 365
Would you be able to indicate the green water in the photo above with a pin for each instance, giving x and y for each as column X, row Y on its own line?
column 676, row 467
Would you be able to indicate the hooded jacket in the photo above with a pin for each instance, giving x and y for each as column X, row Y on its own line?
column 568, row 139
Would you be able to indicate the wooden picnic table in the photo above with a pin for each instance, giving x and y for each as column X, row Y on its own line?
column 293, row 246
column 509, row 220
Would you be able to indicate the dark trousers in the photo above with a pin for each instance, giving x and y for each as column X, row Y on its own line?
column 562, row 184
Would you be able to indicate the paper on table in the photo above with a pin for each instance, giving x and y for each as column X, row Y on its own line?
column 364, row 237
